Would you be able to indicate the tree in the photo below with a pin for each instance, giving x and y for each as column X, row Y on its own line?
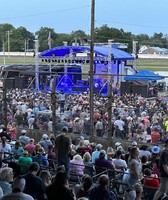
column 42, row 36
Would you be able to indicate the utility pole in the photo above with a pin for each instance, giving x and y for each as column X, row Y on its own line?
column 36, row 66
column 53, row 105
column 4, row 103
column 4, row 52
column 109, row 89
column 92, row 67
column 134, row 45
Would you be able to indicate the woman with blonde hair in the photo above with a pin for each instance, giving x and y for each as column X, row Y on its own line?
column 6, row 177
column 76, row 167
column 89, row 166
column 46, row 177
column 135, row 167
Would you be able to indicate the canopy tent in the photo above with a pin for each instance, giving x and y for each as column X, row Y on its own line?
column 144, row 75
column 100, row 51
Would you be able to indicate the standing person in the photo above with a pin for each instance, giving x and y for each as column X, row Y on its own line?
column 120, row 123
column 62, row 101
column 163, row 172
column 135, row 167
column 63, row 149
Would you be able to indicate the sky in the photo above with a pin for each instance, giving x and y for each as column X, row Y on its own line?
column 64, row 16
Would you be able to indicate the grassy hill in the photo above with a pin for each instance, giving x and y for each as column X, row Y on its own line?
column 149, row 64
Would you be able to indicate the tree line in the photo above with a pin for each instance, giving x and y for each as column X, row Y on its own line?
column 21, row 39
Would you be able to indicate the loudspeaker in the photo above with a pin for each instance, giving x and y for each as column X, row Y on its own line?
column 134, row 88
column 18, row 82
column 10, row 83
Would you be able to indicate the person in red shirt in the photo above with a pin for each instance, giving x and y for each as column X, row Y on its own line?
column 30, row 147
column 155, row 136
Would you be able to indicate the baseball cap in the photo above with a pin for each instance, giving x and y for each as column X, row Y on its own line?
column 45, row 136
column 99, row 146
column 81, row 138
column 155, row 149
column 117, row 144
column 23, row 131
column 134, row 143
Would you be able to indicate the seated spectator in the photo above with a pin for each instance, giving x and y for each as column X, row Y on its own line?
column 5, row 147
column 85, row 187
column 5, row 134
column 86, row 148
column 156, row 166
column 30, row 147
column 51, row 152
column 37, row 147
column 45, row 142
column 102, row 162
column 17, row 191
column 101, row 190
column 144, row 151
column 144, row 162
column 110, row 153
column 76, row 167
column 118, row 162
column 89, row 166
column 40, row 157
column 150, row 179
column 24, row 140
column 96, row 153
column 59, row 188
column 24, row 161
column 17, row 150
column 6, row 177
column 34, row 184
column 46, row 177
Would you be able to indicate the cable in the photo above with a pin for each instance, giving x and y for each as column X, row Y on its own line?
column 45, row 13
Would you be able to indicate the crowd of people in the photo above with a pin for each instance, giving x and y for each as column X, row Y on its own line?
column 47, row 168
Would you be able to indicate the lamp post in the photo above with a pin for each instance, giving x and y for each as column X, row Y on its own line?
column 36, row 66
column 92, row 67
column 8, row 35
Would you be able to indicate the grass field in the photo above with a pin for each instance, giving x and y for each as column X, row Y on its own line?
column 149, row 64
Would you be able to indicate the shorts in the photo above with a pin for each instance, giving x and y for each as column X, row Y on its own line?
column 163, row 185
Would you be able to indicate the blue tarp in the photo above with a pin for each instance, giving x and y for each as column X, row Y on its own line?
column 102, row 51
column 144, row 75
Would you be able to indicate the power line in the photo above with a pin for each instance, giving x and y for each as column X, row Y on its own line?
column 45, row 13
column 128, row 24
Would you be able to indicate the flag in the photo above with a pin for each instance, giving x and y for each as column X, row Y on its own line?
column 49, row 40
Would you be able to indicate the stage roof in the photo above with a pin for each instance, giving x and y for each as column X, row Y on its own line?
column 101, row 51
column 144, row 75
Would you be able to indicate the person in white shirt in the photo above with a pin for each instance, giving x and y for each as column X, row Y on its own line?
column 120, row 123
column 118, row 162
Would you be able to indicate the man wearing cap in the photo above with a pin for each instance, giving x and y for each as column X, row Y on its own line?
column 163, row 172
column 23, row 138
column 45, row 142
column 96, row 153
